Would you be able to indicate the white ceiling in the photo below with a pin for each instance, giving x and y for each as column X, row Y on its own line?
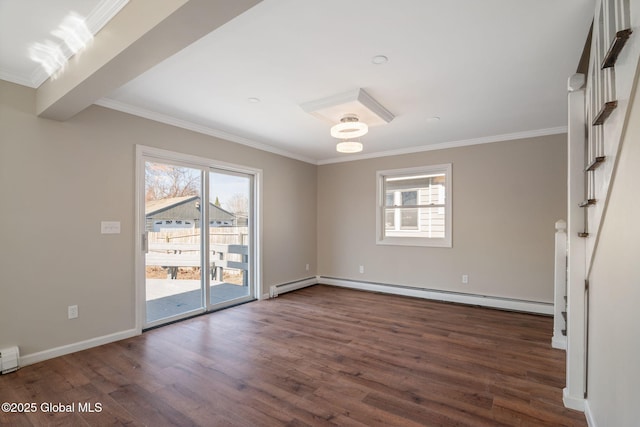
column 490, row 69
column 23, row 23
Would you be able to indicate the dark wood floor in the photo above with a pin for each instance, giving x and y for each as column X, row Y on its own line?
column 318, row 356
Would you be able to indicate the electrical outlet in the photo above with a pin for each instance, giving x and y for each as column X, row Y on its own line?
column 465, row 278
column 362, row 269
column 307, row 267
column 72, row 311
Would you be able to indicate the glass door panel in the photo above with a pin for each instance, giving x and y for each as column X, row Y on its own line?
column 230, row 223
column 173, row 225
column 198, row 236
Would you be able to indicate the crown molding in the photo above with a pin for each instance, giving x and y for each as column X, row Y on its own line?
column 103, row 13
column 451, row 144
column 95, row 21
column 194, row 127
column 14, row 78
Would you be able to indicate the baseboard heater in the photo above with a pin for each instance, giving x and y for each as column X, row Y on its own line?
column 276, row 290
column 9, row 359
column 501, row 303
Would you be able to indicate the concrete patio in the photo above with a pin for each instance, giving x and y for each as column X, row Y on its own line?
column 167, row 297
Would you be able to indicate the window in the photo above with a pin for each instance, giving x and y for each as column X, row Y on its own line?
column 414, row 206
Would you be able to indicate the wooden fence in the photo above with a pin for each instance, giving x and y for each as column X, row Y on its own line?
column 217, row 236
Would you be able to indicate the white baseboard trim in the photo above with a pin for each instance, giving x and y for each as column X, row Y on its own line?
column 282, row 288
column 437, row 295
column 591, row 421
column 572, row 402
column 559, row 342
column 40, row 356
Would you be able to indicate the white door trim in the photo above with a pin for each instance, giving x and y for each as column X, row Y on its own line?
column 145, row 153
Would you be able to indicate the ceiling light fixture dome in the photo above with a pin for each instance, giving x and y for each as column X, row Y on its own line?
column 349, row 147
column 349, row 127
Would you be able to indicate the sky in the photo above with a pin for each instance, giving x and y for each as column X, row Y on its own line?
column 224, row 186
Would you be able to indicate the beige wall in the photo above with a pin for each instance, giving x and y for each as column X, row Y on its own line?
column 507, row 197
column 59, row 180
column 614, row 327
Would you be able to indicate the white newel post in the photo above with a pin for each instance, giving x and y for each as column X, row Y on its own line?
column 574, row 392
column 560, row 287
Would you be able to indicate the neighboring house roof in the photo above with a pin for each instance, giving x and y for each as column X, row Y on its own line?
column 187, row 207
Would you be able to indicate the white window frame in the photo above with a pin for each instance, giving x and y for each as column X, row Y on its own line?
column 382, row 238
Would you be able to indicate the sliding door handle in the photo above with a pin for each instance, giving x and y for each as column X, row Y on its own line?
column 145, row 242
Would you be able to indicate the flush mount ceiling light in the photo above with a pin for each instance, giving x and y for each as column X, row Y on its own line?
column 349, row 127
column 349, row 147
column 361, row 106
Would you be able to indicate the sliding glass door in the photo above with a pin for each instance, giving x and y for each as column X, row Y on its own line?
column 174, row 282
column 197, row 229
column 230, row 219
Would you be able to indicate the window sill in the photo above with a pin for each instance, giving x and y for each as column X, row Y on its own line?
column 415, row 241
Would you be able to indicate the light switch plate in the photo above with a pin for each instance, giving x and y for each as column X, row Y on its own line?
column 110, row 227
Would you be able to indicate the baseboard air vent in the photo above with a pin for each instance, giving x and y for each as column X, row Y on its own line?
column 9, row 358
